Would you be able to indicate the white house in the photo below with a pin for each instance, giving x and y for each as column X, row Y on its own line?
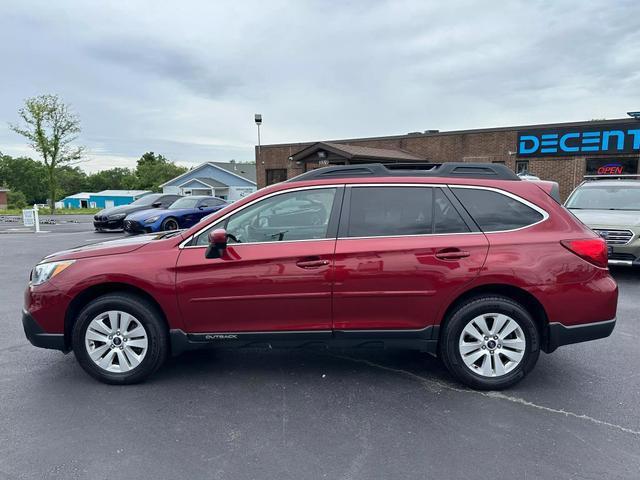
column 229, row 181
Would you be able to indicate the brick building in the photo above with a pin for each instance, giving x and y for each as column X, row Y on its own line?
column 563, row 152
column 3, row 198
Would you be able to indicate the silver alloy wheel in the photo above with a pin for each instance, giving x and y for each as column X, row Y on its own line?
column 170, row 224
column 116, row 341
column 492, row 344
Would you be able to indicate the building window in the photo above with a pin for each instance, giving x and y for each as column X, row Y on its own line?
column 276, row 175
column 522, row 166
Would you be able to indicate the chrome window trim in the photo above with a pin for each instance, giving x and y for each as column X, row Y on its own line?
column 234, row 245
column 411, row 235
column 183, row 244
column 544, row 213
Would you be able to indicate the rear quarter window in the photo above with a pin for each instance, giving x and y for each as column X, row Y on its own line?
column 495, row 212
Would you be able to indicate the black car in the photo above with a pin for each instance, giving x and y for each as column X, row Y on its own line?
column 113, row 218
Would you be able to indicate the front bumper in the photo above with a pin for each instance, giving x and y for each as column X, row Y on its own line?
column 625, row 257
column 627, row 254
column 133, row 226
column 39, row 338
column 108, row 224
column 559, row 334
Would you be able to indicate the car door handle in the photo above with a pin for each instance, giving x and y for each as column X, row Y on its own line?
column 312, row 263
column 451, row 254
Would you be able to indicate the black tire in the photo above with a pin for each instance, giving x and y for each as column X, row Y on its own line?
column 146, row 314
column 458, row 320
column 167, row 224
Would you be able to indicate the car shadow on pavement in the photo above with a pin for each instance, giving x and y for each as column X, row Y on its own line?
column 252, row 363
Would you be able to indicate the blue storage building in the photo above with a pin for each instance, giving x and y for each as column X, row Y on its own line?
column 103, row 199
column 78, row 200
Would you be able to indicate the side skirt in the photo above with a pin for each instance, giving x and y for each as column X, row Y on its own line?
column 425, row 340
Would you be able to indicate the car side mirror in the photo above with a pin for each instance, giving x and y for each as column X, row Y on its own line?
column 217, row 243
column 156, row 204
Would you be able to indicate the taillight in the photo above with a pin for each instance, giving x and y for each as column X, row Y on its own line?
column 593, row 250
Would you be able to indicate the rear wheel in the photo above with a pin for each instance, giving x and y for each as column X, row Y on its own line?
column 490, row 343
column 120, row 339
column 169, row 224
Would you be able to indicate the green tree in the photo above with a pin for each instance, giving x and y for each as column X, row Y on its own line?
column 24, row 175
column 16, row 199
column 115, row 178
column 153, row 170
column 51, row 128
column 71, row 180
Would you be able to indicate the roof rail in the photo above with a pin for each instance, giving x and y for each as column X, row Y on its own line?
column 494, row 171
column 622, row 176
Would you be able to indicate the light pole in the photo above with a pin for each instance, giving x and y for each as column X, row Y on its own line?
column 258, row 120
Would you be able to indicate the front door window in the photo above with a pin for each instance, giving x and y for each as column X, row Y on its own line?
column 298, row 215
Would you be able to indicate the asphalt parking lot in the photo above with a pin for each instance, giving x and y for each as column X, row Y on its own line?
column 308, row 414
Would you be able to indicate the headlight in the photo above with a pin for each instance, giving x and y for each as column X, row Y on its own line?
column 152, row 219
column 46, row 271
column 117, row 216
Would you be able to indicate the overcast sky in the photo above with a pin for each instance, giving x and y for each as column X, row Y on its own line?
column 185, row 78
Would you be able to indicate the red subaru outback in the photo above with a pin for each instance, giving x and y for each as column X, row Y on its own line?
column 464, row 261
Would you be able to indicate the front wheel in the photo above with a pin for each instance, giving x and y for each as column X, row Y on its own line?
column 490, row 343
column 120, row 339
column 169, row 224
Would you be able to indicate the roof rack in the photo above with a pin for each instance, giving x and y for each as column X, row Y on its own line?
column 494, row 171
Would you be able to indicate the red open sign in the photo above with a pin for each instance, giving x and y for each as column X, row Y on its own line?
column 610, row 169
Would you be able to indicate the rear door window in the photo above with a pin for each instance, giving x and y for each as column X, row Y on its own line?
column 390, row 211
column 401, row 210
column 495, row 212
column 446, row 218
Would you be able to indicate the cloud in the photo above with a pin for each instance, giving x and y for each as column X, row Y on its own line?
column 167, row 63
column 186, row 80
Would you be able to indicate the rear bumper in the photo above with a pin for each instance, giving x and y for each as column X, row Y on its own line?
column 39, row 338
column 559, row 334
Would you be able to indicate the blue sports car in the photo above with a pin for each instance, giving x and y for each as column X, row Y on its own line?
column 183, row 213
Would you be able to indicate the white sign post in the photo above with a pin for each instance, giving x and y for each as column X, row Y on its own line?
column 36, row 217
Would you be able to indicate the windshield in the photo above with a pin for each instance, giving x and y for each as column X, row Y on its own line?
column 147, row 199
column 606, row 198
column 185, row 202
